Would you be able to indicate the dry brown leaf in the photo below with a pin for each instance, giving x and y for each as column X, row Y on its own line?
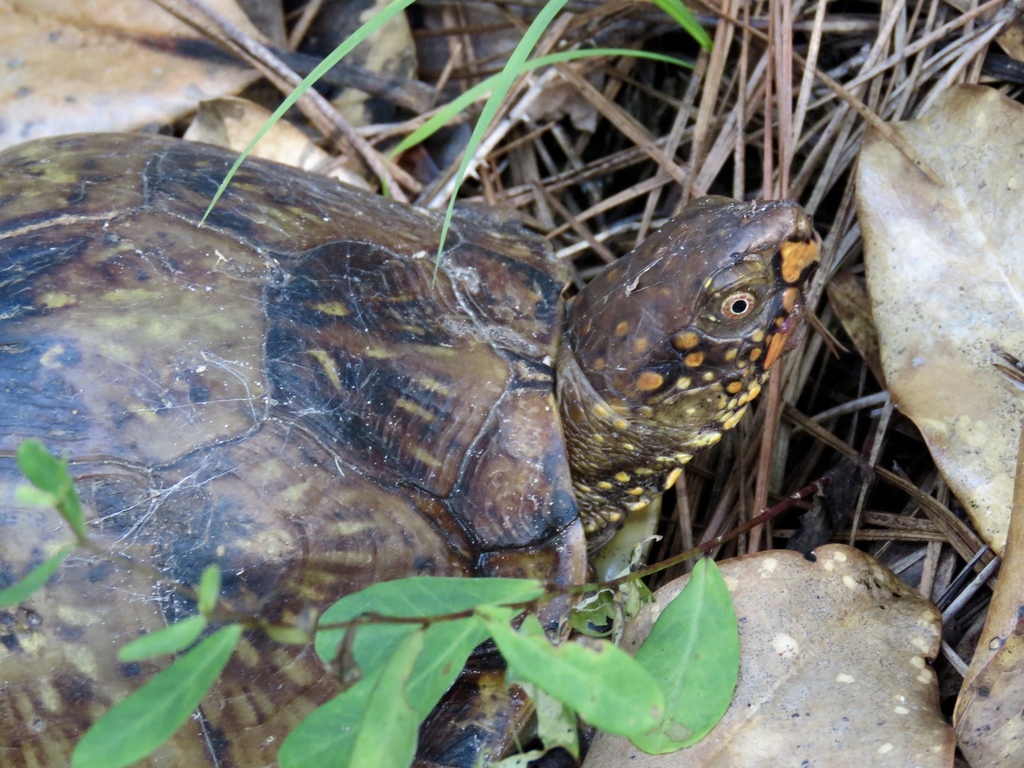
column 849, row 299
column 946, row 279
column 834, row 670
column 989, row 714
column 104, row 65
column 231, row 122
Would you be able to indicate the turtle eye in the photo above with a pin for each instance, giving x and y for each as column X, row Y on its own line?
column 738, row 305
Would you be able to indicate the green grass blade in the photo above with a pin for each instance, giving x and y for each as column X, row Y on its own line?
column 449, row 111
column 503, row 83
column 376, row 22
column 682, row 16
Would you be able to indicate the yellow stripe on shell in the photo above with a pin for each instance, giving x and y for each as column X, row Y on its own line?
column 425, row 457
column 56, row 300
column 333, row 308
column 672, row 477
column 323, row 357
column 415, row 409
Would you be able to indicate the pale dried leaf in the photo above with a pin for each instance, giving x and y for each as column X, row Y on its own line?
column 834, row 670
column 105, row 65
column 989, row 715
column 946, row 280
column 232, row 122
column 849, row 299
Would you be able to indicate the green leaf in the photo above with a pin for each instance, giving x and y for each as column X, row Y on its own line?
column 208, row 589
column 388, row 736
column 176, row 637
column 593, row 616
column 682, row 16
column 420, row 597
column 556, row 723
column 447, row 644
column 328, row 737
column 603, row 683
column 694, row 652
column 140, row 723
column 35, row 579
column 29, row 494
column 50, row 474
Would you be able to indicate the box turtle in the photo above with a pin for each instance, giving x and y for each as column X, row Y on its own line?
column 291, row 393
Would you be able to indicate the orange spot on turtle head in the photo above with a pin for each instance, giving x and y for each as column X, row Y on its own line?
column 776, row 346
column 685, row 340
column 789, row 297
column 797, row 256
column 649, row 381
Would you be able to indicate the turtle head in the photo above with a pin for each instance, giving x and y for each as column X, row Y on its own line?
column 665, row 348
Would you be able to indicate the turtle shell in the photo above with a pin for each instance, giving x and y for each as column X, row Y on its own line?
column 296, row 393
column 289, row 391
